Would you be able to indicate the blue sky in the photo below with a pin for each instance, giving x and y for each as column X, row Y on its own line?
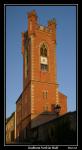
column 16, row 23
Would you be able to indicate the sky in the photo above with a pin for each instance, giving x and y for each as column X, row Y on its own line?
column 16, row 23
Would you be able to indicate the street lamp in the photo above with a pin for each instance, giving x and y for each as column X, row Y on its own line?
column 57, row 109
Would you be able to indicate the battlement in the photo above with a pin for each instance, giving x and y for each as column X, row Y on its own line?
column 32, row 14
column 43, row 28
column 53, row 21
column 33, row 24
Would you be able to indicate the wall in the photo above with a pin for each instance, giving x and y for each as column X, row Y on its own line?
column 61, row 131
column 10, row 129
column 63, row 103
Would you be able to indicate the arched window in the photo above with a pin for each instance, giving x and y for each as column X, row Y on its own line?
column 43, row 50
column 43, row 58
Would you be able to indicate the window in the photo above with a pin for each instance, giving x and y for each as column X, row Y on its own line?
column 43, row 51
column 43, row 58
column 45, row 94
column 44, row 67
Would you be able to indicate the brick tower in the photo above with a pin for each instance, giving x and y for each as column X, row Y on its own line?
column 40, row 88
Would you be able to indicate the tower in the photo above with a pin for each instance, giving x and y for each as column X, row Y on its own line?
column 40, row 88
column 39, row 57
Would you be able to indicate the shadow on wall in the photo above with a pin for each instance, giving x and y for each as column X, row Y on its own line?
column 57, row 131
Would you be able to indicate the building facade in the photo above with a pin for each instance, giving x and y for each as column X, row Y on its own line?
column 11, row 129
column 40, row 88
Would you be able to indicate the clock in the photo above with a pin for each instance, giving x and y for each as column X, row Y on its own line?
column 43, row 60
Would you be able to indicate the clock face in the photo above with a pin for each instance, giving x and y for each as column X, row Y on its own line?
column 43, row 60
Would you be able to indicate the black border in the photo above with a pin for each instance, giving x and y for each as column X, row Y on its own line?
column 76, row 52
column 2, row 74
column 41, row 2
